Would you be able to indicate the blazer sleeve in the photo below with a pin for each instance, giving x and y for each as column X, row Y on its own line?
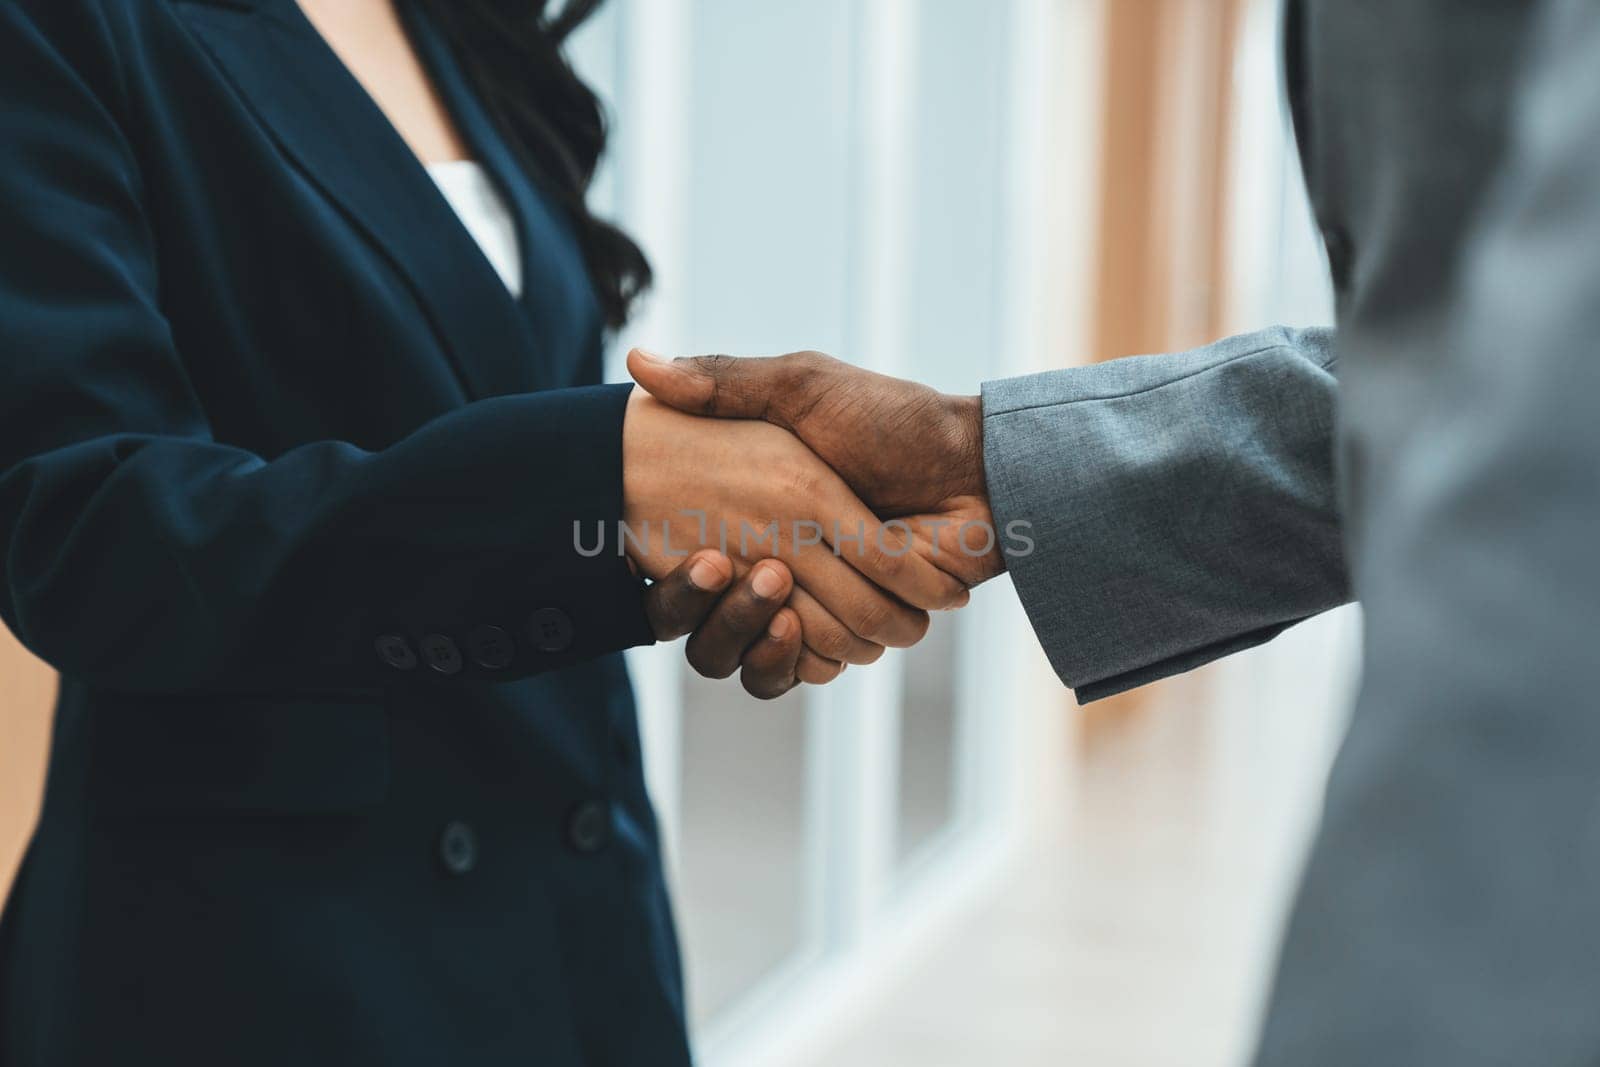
column 138, row 552
column 1180, row 507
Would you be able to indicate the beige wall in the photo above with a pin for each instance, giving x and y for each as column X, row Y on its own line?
column 1168, row 77
column 27, row 689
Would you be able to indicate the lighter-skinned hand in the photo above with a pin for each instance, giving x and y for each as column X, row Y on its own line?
column 691, row 482
column 909, row 451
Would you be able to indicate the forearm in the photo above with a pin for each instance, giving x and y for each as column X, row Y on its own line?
column 166, row 561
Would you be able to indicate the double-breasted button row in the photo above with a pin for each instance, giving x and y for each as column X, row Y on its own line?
column 491, row 648
column 588, row 831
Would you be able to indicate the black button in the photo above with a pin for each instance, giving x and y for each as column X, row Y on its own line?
column 589, row 829
column 491, row 648
column 458, row 848
column 550, row 630
column 396, row 652
column 442, row 654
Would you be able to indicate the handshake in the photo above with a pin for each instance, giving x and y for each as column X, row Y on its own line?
column 797, row 514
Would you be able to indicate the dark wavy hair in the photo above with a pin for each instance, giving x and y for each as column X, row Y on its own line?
column 511, row 50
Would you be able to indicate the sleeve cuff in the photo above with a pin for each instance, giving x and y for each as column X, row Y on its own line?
column 543, row 597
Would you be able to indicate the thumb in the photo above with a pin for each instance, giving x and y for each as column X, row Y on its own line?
column 707, row 385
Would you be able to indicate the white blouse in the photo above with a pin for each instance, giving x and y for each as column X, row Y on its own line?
column 483, row 211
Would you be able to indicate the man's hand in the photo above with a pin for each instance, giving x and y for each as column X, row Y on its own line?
column 755, row 490
column 736, row 626
column 908, row 451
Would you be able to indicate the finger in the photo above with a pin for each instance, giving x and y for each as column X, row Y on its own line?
column 748, row 387
column 678, row 603
column 947, row 543
column 739, row 619
column 769, row 664
column 826, row 636
column 814, row 670
column 884, row 553
column 771, row 388
column 868, row 611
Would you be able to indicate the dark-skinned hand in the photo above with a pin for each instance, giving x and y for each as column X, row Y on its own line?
column 740, row 625
column 908, row 451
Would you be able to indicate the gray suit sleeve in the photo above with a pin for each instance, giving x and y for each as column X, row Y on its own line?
column 1181, row 507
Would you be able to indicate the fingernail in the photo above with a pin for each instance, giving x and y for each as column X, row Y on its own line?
column 649, row 356
column 704, row 575
column 766, row 583
column 780, row 627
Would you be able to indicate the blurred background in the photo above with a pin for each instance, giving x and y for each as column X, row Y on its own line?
column 942, row 860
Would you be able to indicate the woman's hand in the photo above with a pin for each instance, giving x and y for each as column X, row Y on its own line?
column 693, row 482
column 741, row 626
column 909, row 451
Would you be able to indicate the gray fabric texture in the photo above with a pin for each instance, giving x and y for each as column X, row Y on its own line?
column 1450, row 479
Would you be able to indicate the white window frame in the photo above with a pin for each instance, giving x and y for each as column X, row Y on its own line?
column 865, row 910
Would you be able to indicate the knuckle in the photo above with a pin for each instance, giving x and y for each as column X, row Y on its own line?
column 875, row 620
column 718, row 370
column 887, row 560
column 832, row 641
column 714, row 365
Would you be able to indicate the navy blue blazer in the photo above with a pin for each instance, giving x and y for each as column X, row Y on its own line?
column 346, row 765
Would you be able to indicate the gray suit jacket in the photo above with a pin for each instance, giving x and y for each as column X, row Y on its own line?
column 1189, row 505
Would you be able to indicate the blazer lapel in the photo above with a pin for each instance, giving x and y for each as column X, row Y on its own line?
column 324, row 121
column 492, row 153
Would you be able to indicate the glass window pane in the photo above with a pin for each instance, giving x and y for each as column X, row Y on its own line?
column 928, row 738
column 741, row 885
column 768, row 216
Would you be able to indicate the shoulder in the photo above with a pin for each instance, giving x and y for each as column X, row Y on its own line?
column 89, row 43
column 75, row 27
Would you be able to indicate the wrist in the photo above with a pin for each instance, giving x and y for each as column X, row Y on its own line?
column 966, row 420
column 639, row 471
